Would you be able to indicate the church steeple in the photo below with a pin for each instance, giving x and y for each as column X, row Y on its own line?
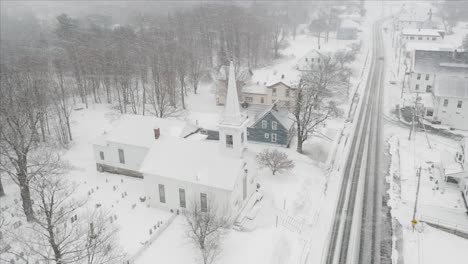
column 232, row 115
column 232, row 126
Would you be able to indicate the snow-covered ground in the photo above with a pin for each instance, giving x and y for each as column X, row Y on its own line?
column 438, row 201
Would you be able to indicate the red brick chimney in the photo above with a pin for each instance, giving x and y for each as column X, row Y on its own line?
column 157, row 133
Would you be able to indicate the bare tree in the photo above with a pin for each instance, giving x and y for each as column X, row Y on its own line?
column 20, row 116
column 206, row 226
column 275, row 160
column 313, row 99
column 65, row 230
column 317, row 27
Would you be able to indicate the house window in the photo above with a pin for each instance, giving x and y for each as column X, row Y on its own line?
column 101, row 154
column 427, row 77
column 203, row 202
column 429, row 89
column 267, row 135
column 242, row 137
column 274, row 125
column 411, row 38
column 306, row 59
column 274, row 91
column 261, row 100
column 249, row 99
column 459, row 104
column 416, row 87
column 429, row 112
column 287, row 93
column 162, row 194
column 318, row 60
column 121, row 156
column 419, row 76
column 273, row 137
column 433, row 38
column 445, row 102
column 264, row 124
column 419, row 38
column 229, row 141
column 312, row 59
column 182, row 198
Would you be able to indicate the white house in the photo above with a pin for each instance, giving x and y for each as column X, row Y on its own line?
column 181, row 171
column 450, row 98
column 427, row 64
column 420, row 35
column 123, row 149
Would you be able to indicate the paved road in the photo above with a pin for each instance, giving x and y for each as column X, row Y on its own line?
column 356, row 235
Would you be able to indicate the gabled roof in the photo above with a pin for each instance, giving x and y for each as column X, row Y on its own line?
column 255, row 88
column 258, row 112
column 137, row 130
column 193, row 161
column 278, row 83
column 440, row 62
column 451, row 86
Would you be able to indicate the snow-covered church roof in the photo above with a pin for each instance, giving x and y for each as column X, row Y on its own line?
column 137, row 130
column 194, row 161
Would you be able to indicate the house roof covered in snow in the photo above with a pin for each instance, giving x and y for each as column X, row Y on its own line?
column 138, row 130
column 254, row 88
column 421, row 32
column 440, row 62
column 194, row 161
column 451, row 86
column 256, row 112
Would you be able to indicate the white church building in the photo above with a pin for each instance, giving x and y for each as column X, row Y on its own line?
column 180, row 167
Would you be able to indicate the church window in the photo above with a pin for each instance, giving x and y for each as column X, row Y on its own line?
column 101, row 154
column 182, row 197
column 203, row 202
column 229, row 141
column 162, row 194
column 121, row 156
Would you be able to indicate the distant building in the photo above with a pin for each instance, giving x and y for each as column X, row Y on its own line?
column 272, row 125
column 313, row 58
column 420, row 35
column 347, row 30
column 427, row 64
column 450, row 98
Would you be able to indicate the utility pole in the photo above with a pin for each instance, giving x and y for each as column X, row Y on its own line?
column 412, row 130
column 418, row 174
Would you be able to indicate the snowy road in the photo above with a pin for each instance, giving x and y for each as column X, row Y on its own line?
column 355, row 235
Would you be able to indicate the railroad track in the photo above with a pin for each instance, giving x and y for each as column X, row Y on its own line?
column 355, row 233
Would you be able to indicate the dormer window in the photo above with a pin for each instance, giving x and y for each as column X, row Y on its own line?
column 229, row 141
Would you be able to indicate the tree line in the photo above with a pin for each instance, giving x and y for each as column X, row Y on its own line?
column 148, row 67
